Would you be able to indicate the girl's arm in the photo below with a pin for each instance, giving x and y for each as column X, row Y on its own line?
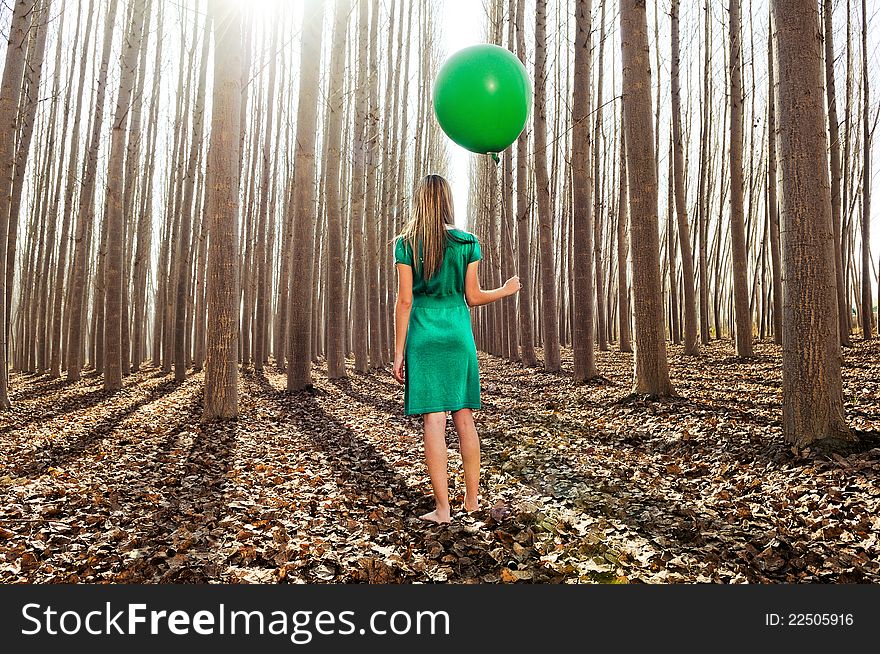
column 401, row 316
column 476, row 296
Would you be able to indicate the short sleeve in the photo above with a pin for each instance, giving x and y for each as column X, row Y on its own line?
column 475, row 253
column 402, row 253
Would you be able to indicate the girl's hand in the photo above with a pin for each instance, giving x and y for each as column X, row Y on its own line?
column 512, row 285
column 397, row 370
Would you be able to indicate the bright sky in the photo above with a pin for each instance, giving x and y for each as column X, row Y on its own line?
column 463, row 25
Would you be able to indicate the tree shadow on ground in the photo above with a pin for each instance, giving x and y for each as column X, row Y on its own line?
column 74, row 399
column 57, row 454
column 368, row 482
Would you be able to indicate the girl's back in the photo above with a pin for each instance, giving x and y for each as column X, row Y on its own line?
column 447, row 283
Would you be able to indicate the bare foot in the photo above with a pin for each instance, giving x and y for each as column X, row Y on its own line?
column 471, row 505
column 441, row 518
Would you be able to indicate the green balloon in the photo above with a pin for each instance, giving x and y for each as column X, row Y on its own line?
column 482, row 98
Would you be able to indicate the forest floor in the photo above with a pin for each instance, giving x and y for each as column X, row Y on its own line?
column 325, row 486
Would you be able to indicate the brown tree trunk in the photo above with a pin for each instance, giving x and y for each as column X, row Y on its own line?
column 59, row 286
column 651, row 375
column 142, row 256
column 27, row 112
column 542, row 184
column 336, row 261
column 358, row 187
column 113, row 279
column 184, row 263
column 691, row 346
column 10, row 95
column 867, row 310
column 262, row 295
column 85, row 212
column 222, row 184
column 674, row 325
column 302, row 269
column 773, row 208
column 582, row 187
column 624, row 311
column 703, row 199
column 598, row 210
column 834, row 136
column 523, row 205
column 737, row 224
column 812, row 396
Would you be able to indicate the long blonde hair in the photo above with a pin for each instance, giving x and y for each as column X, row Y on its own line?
column 432, row 210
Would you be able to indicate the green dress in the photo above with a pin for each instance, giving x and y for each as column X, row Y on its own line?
column 441, row 372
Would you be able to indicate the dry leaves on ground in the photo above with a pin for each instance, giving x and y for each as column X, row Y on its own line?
column 325, row 485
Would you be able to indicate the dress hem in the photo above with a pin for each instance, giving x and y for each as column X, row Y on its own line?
column 456, row 407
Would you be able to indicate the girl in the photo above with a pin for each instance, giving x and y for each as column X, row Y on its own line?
column 437, row 282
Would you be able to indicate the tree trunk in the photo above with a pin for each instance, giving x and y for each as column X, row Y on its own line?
column 624, row 311
column 737, row 226
column 86, row 210
column 72, row 166
column 867, row 310
column 10, row 95
column 703, row 196
column 222, row 185
column 691, row 347
column 834, row 136
column 336, row 260
column 812, row 396
column 773, row 208
column 361, row 325
column 302, row 269
column 542, row 184
column 143, row 251
column 651, row 375
column 582, row 186
column 113, row 279
column 523, row 205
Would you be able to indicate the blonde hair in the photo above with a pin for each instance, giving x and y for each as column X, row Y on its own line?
column 432, row 210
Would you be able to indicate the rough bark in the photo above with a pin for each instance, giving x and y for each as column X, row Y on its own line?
column 737, row 222
column 834, row 144
column 222, row 183
column 542, row 188
column 773, row 208
column 582, row 187
column 302, row 269
column 691, row 346
column 113, row 280
column 812, row 396
column 10, row 95
column 85, row 210
column 651, row 374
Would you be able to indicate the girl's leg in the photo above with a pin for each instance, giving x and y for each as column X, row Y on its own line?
column 469, row 443
column 435, row 454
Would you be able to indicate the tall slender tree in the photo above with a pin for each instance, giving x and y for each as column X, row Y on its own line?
column 10, row 96
column 549, row 317
column 332, row 187
column 834, row 146
column 651, row 374
column 222, row 185
column 302, row 270
column 115, row 184
column 691, row 345
column 85, row 212
column 582, row 186
column 523, row 205
column 812, row 395
column 867, row 311
column 739, row 256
